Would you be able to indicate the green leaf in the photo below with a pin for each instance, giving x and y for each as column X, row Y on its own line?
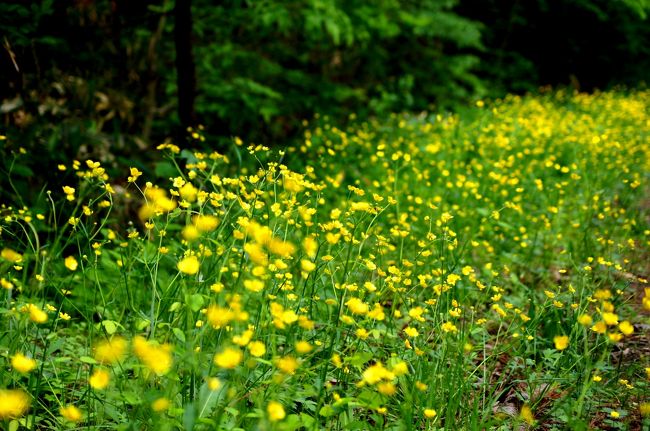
column 87, row 360
column 326, row 411
column 142, row 323
column 360, row 358
column 132, row 398
column 179, row 334
column 195, row 301
column 110, row 326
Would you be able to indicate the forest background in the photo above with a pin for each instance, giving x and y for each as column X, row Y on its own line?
column 111, row 79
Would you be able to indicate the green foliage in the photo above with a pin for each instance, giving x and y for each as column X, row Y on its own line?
column 587, row 43
column 276, row 62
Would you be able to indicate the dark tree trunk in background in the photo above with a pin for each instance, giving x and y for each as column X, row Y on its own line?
column 185, row 69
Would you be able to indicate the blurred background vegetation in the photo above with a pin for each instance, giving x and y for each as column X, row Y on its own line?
column 112, row 79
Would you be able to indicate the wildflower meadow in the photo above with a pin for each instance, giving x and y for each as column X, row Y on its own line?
column 486, row 269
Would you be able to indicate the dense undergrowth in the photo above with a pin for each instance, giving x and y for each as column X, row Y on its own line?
column 487, row 271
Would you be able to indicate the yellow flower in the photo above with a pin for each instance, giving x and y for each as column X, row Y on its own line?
column 189, row 192
column 644, row 409
column 99, row 379
column 401, row 368
column 37, row 315
column 599, row 327
column 375, row 373
column 357, row 306
column 526, row 414
column 610, row 319
column 135, row 173
column 585, row 319
column 22, row 363
column 430, row 413
column 110, row 351
column 303, row 347
column 189, row 265
column 411, row 332
column 275, row 411
column 219, row 316
column 254, row 285
column 11, row 256
column 160, row 405
column 310, row 245
column 190, row 233
column 287, row 364
column 14, row 403
column 615, row 337
column 158, row 358
column 71, row 413
column 626, row 327
column 362, row 333
column 206, row 223
column 281, row 248
column 416, row 313
column 561, row 342
column 449, row 327
column 71, row 263
column 229, row 358
column 214, row 383
column 307, row 265
column 386, row 388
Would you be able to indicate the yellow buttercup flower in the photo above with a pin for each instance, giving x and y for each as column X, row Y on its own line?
column 160, row 405
column 36, row 314
column 205, row 223
column 307, row 265
column 135, row 174
column 303, row 347
column 99, row 379
column 256, row 348
column 287, row 364
column 229, row 358
column 189, row 265
column 14, row 403
column 157, row 358
column 599, row 327
column 71, row 413
column 188, row 192
column 430, row 413
column 214, row 383
column 190, row 233
column 526, row 414
column 22, row 363
column 376, row 373
column 610, row 319
column 561, row 342
column 71, row 263
column 585, row 319
column 11, row 255
column 357, row 306
column 626, row 327
column 275, row 411
column 110, row 351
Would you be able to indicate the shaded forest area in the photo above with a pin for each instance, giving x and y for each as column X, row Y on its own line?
column 111, row 79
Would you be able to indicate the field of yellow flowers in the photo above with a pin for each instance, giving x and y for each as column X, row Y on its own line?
column 487, row 270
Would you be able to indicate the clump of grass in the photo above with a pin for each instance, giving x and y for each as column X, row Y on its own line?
column 412, row 273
